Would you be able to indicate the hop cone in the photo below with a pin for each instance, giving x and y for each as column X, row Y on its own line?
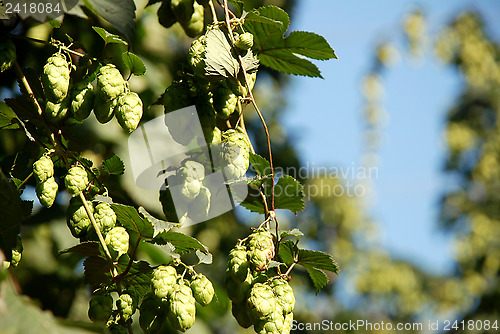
column 198, row 209
column 261, row 301
column 129, row 111
column 110, row 83
column 203, row 290
column 77, row 219
column 43, row 168
column 100, row 307
column 284, row 294
column 82, row 101
column 234, row 154
column 196, row 55
column 105, row 217
column 126, row 305
column 16, row 253
column 76, row 180
column 182, row 307
column 164, row 281
column 117, row 240
column 194, row 26
column 7, row 54
column 287, row 324
column 239, row 87
column 55, row 78
column 54, row 112
column 224, row 102
column 47, row 192
column 190, row 176
column 237, row 263
column 272, row 325
column 244, row 41
column 260, row 249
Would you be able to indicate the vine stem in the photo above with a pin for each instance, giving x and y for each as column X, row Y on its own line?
column 24, row 181
column 290, row 269
column 131, row 261
column 252, row 99
column 214, row 13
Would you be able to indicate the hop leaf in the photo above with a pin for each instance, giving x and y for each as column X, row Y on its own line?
column 117, row 240
column 104, row 110
column 43, row 168
column 47, row 192
column 77, row 219
column 152, row 313
column 100, row 307
column 203, row 290
column 110, row 83
column 105, row 217
column 234, row 154
column 182, row 9
column 76, row 180
column 182, row 307
column 82, row 100
column 55, row 78
column 164, row 281
column 129, row 111
column 7, row 54
column 244, row 41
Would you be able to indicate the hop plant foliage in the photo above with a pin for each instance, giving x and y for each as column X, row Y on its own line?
column 7, row 54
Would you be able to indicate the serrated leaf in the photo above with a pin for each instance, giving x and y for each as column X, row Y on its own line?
column 120, row 13
column 219, row 60
column 238, row 6
column 285, row 54
column 183, row 243
column 86, row 162
column 158, row 224
column 133, row 63
column 289, row 194
column 88, row 248
column 287, row 252
column 95, row 269
column 317, row 260
column 108, row 37
column 293, row 232
column 138, row 279
column 318, row 278
column 260, row 165
column 130, row 219
column 12, row 213
column 113, row 165
column 8, row 119
column 205, row 258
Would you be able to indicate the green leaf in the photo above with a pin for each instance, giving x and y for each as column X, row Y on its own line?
column 219, row 60
column 293, row 232
column 317, row 260
column 158, row 224
column 120, row 13
column 95, row 270
column 113, row 165
column 288, row 251
column 89, row 248
column 285, row 54
column 183, row 243
column 318, row 278
column 138, row 279
column 133, row 63
column 260, row 165
column 205, row 258
column 289, row 194
column 130, row 219
column 8, row 119
column 12, row 211
column 109, row 38
column 238, row 6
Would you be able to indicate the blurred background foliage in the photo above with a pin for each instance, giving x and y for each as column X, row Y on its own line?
column 49, row 289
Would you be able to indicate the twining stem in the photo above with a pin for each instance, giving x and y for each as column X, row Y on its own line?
column 131, row 261
column 24, row 181
column 214, row 13
column 290, row 269
column 241, row 124
column 252, row 99
column 27, row 86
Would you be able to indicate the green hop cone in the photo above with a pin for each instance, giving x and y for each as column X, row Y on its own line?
column 240, row 313
column 182, row 9
column 287, row 324
column 234, row 154
column 238, row 291
column 55, row 78
column 76, row 180
column 7, row 54
column 261, row 301
column 100, row 307
column 284, row 294
column 182, row 307
column 166, row 16
column 225, row 102
column 110, row 83
column 244, row 41
column 105, row 217
column 54, row 112
column 126, row 306
column 239, row 86
column 259, row 259
column 128, row 112
column 203, row 290
column 199, row 208
column 43, row 168
column 152, row 313
column 196, row 55
column 77, row 219
column 164, row 281
column 237, row 263
column 273, row 324
column 82, row 100
column 104, row 110
column 190, row 177
column 47, row 191
column 195, row 25
column 117, row 240
column 260, row 249
column 16, row 254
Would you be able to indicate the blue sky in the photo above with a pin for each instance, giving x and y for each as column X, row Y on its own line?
column 324, row 117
